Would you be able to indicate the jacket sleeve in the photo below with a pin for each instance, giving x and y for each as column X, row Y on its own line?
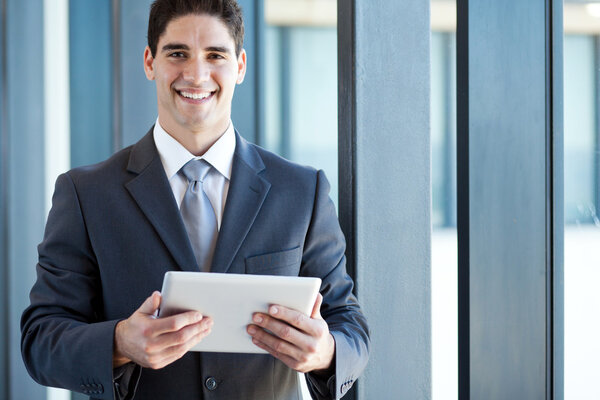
column 65, row 341
column 324, row 257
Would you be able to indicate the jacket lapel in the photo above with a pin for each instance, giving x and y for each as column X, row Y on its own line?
column 247, row 192
column 153, row 194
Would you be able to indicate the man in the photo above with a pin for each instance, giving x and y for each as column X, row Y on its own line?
column 115, row 228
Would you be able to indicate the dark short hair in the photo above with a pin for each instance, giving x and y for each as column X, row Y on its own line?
column 164, row 11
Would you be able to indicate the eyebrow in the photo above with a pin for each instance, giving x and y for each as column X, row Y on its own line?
column 218, row 49
column 181, row 46
column 174, row 46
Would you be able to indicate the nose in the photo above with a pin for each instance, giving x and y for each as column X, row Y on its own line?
column 196, row 71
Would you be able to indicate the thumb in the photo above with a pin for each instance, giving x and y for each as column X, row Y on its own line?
column 151, row 304
column 316, row 311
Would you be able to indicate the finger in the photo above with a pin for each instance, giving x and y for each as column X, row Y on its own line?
column 183, row 335
column 176, row 322
column 287, row 360
column 278, row 345
column 282, row 330
column 294, row 318
column 151, row 304
column 316, row 311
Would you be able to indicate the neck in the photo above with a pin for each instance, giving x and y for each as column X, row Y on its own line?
column 198, row 141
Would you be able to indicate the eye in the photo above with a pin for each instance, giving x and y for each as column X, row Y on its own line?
column 177, row 54
column 215, row 56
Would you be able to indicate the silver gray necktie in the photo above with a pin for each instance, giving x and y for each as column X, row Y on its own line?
column 198, row 214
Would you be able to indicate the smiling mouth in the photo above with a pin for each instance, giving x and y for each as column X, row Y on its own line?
column 195, row 96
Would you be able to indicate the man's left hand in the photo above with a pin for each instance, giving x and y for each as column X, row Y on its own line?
column 302, row 343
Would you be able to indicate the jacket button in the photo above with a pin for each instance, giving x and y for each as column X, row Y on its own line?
column 211, row 383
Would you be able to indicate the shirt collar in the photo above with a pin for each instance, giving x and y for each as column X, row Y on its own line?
column 174, row 156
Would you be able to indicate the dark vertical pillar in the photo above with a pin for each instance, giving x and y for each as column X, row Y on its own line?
column 248, row 101
column 347, row 127
column 509, row 58
column 463, row 199
column 90, row 43
column 385, row 202
column 25, row 186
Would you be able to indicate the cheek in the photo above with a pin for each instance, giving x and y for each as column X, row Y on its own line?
column 227, row 78
column 165, row 78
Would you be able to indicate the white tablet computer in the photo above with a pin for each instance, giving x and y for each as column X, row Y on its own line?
column 231, row 300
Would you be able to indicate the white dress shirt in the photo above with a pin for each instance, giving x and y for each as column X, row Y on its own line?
column 216, row 183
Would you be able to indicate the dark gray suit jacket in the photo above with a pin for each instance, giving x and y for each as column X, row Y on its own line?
column 115, row 229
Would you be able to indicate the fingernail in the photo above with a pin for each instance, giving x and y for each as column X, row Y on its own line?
column 198, row 316
column 258, row 319
column 251, row 330
column 273, row 310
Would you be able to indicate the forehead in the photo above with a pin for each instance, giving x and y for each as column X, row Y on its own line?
column 197, row 29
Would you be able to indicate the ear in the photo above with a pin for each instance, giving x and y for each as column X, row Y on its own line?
column 241, row 67
column 148, row 64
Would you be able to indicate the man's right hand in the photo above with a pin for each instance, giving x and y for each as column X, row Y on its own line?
column 155, row 343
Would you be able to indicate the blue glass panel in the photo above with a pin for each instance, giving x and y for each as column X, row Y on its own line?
column 138, row 95
column 580, row 128
column 91, row 80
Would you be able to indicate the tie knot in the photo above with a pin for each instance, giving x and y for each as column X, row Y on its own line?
column 195, row 170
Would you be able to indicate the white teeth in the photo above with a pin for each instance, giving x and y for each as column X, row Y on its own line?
column 195, row 96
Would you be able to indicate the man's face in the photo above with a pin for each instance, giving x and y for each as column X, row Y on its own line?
column 196, row 69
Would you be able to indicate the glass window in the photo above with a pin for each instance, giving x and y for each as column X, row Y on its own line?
column 582, row 182
column 580, row 135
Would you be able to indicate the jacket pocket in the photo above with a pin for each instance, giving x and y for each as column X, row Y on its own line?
column 285, row 262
